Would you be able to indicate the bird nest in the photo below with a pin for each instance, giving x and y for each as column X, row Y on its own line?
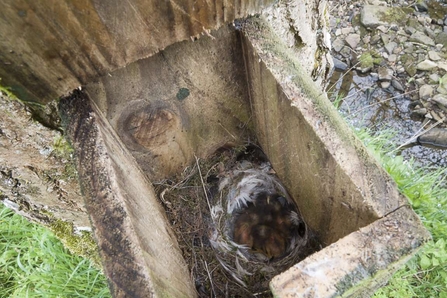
column 233, row 250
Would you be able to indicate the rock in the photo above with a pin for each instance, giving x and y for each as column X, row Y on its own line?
column 339, row 65
column 426, row 65
column 424, row 20
column 410, row 30
column 441, row 38
column 397, row 85
column 364, row 69
column 410, row 69
column 371, row 16
column 441, row 90
column 443, row 82
column 385, row 84
column 392, row 58
column 437, row 116
column 338, row 44
column 420, row 81
column 400, row 69
column 418, row 114
column 430, row 32
column 434, row 137
column 394, row 27
column 400, row 31
column 377, row 2
column 440, row 99
column 434, row 56
column 382, row 28
column 375, row 39
column 353, row 40
column 442, row 65
column 408, row 47
column 397, row 50
column 422, row 38
column 434, row 78
column 347, row 30
column 402, row 38
column 425, row 91
column 420, row 111
column 413, row 23
column 389, row 47
column 421, row 6
column 421, row 55
column 385, row 74
column 374, row 76
column 366, row 39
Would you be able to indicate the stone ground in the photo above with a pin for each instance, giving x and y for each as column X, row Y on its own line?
column 391, row 71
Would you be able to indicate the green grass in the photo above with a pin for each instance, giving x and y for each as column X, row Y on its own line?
column 34, row 263
column 426, row 274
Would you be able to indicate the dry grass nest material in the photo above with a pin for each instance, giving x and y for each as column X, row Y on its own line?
column 187, row 200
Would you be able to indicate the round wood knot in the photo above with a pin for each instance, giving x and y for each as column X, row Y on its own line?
column 151, row 127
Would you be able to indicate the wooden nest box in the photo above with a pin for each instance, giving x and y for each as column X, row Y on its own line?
column 159, row 87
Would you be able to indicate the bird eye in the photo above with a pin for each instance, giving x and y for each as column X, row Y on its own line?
column 302, row 229
column 282, row 201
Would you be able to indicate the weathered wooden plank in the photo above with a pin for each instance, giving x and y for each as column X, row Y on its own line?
column 139, row 251
column 291, row 111
column 188, row 100
column 357, row 265
column 191, row 99
column 50, row 47
column 343, row 194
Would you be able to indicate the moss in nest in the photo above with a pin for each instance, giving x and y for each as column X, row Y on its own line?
column 82, row 245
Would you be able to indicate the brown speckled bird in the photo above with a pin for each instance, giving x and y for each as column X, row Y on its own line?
column 257, row 228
